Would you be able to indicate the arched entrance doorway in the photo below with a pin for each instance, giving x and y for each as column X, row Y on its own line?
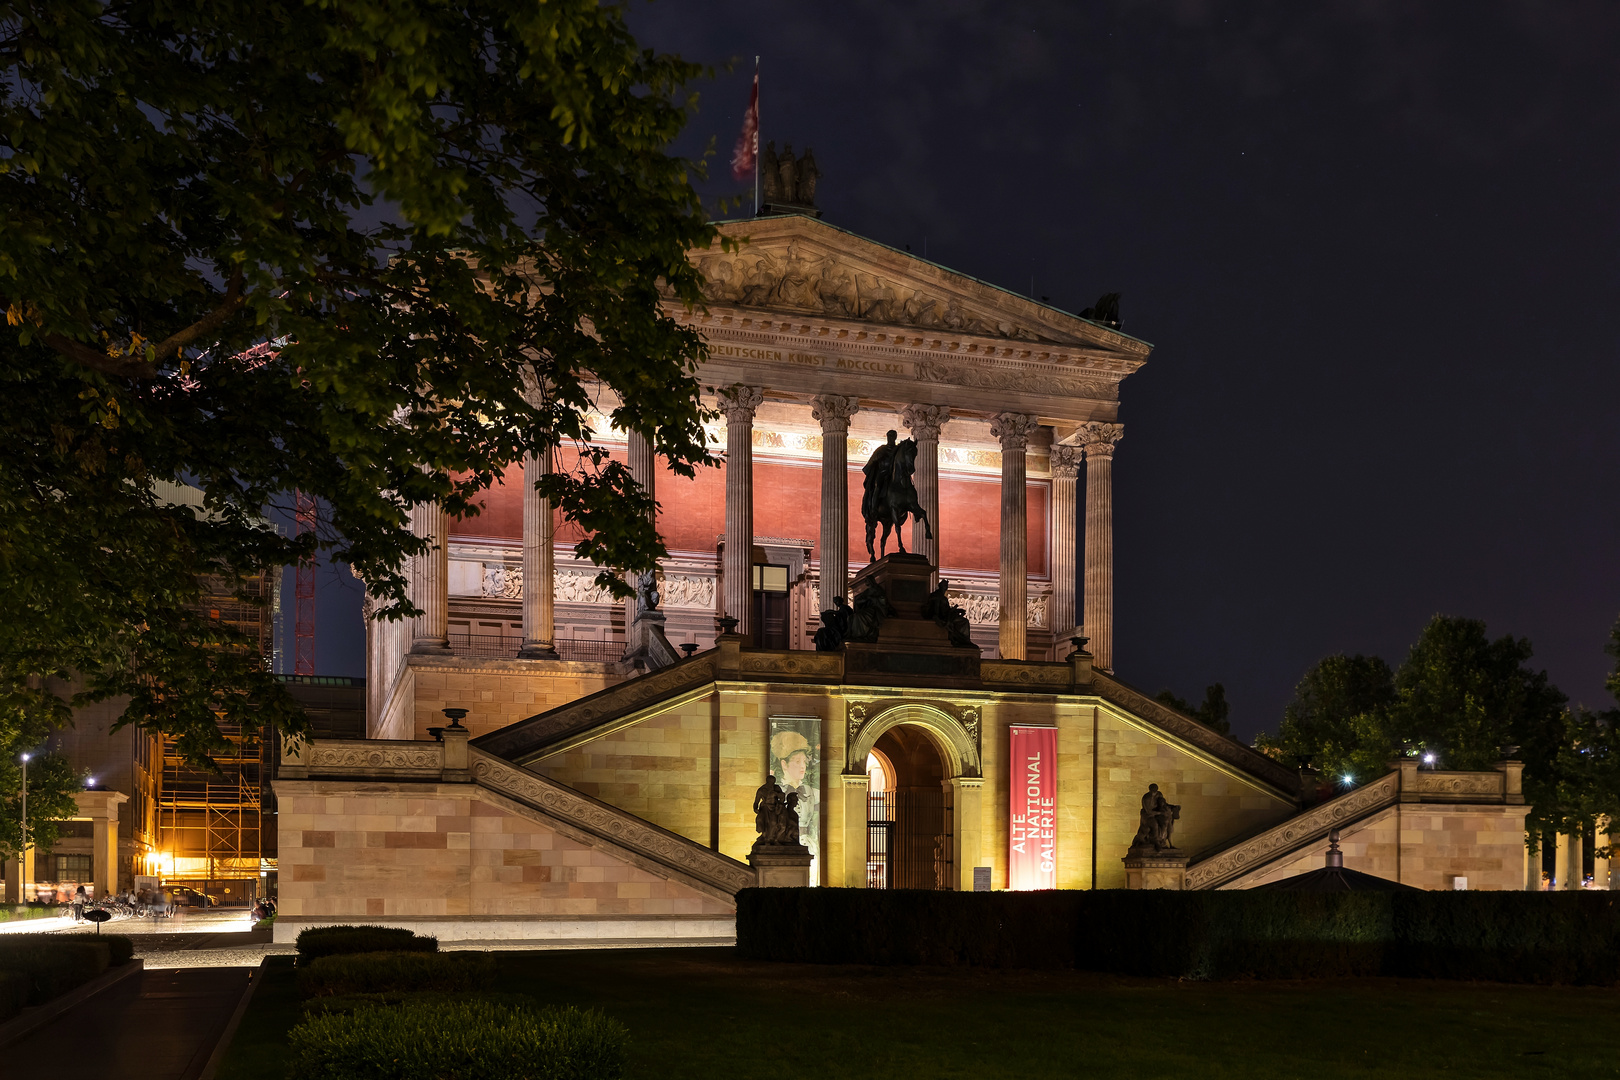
column 908, row 820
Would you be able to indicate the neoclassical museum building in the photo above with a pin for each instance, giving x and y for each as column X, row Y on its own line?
column 597, row 770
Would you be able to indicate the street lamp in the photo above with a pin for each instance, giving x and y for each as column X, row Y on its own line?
column 22, row 859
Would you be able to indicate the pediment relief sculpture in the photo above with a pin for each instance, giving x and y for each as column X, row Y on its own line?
column 798, row 277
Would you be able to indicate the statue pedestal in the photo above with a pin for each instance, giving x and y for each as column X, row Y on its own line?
column 647, row 644
column 1150, row 869
column 781, row 866
column 909, row 647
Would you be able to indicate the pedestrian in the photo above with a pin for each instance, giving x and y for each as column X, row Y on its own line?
column 80, row 899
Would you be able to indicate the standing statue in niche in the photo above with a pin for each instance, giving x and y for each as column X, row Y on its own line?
column 889, row 497
column 1157, row 819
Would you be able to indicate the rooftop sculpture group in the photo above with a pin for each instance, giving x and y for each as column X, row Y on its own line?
column 786, row 180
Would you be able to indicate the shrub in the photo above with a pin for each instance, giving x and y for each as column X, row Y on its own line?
column 468, row 1040
column 120, row 949
column 14, row 988
column 53, row 965
column 1512, row 937
column 319, row 941
column 395, row 972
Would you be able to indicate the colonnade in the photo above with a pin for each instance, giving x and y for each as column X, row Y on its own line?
column 1092, row 447
column 1569, row 862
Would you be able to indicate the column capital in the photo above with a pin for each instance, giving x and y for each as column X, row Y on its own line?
column 739, row 402
column 1065, row 461
column 1013, row 429
column 925, row 420
column 1099, row 438
column 834, row 411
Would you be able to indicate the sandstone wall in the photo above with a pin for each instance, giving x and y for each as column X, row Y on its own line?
column 494, row 692
column 1428, row 845
column 437, row 855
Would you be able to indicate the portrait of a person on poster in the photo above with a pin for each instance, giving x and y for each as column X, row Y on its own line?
column 795, row 761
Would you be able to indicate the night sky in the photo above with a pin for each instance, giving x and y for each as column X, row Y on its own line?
column 1373, row 244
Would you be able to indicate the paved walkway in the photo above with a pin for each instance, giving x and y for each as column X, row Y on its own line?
column 158, row 1025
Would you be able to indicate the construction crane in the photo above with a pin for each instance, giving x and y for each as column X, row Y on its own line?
column 306, row 517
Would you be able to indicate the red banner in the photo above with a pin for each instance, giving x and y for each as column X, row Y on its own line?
column 1032, row 832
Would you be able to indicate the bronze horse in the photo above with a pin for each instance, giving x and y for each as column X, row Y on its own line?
column 896, row 502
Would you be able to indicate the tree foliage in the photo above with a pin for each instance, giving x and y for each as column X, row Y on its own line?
column 376, row 252
column 1467, row 701
column 1214, row 711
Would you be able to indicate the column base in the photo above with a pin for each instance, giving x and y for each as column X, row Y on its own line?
column 430, row 648
column 538, row 650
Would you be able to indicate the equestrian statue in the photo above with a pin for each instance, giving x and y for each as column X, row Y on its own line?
column 889, row 496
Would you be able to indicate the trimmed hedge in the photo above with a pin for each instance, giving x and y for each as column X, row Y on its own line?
column 120, row 949
column 1571, row 937
column 14, row 988
column 50, row 966
column 395, row 972
column 319, row 941
column 467, row 1040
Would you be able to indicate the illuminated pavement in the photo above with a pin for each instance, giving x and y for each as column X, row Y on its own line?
column 188, row 940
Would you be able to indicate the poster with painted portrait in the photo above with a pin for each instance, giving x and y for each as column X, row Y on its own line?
column 795, row 761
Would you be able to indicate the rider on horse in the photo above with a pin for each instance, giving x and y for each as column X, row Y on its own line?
column 889, row 496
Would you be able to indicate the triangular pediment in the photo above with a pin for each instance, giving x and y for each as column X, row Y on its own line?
column 798, row 265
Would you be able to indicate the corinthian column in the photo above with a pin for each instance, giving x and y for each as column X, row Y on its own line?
column 739, row 403
column 834, row 412
column 924, row 422
column 430, row 581
column 1099, row 440
column 1065, row 480
column 539, row 564
column 643, row 470
column 1014, row 430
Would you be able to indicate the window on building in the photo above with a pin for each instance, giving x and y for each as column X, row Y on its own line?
column 73, row 868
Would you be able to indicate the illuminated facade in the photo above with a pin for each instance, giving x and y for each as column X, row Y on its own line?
column 604, row 785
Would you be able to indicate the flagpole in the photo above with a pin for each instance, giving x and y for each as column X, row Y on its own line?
column 756, row 136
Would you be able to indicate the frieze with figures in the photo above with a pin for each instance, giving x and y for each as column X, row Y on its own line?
column 504, row 581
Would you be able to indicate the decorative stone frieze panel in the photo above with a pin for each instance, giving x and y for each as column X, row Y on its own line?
column 372, row 757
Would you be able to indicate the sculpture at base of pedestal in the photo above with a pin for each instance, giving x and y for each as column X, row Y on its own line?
column 1153, row 861
column 778, row 858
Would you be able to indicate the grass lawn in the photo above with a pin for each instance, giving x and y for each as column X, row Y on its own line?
column 703, row 1013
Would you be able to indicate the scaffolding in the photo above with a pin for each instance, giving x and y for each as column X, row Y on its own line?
column 212, row 824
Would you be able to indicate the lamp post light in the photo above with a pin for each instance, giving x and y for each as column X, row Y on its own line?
column 23, row 866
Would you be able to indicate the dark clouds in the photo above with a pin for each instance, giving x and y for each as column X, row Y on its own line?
column 1374, row 243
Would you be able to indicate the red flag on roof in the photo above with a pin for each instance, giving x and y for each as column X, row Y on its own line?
column 747, row 153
